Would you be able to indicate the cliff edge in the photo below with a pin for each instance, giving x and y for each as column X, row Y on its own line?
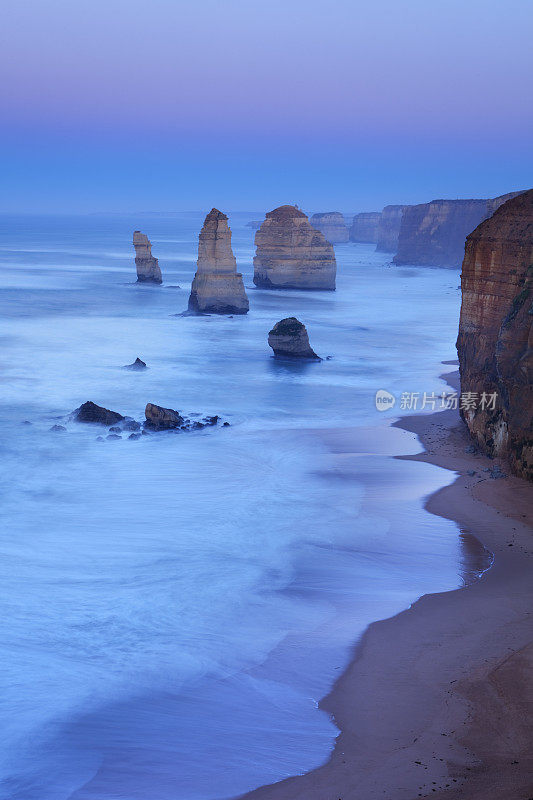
column 495, row 342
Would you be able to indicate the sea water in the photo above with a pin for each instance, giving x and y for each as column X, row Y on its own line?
column 173, row 608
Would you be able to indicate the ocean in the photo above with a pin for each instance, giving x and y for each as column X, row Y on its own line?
column 173, row 608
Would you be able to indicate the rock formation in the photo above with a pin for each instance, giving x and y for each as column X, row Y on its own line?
column 332, row 225
column 291, row 254
column 90, row 412
column 289, row 339
column 138, row 364
column 365, row 227
column 162, row 419
column 434, row 234
column 389, row 229
column 147, row 266
column 254, row 223
column 495, row 342
column 217, row 287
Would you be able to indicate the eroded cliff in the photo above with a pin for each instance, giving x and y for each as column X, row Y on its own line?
column 291, row 254
column 332, row 225
column 434, row 234
column 365, row 227
column 389, row 228
column 147, row 266
column 217, row 287
column 495, row 342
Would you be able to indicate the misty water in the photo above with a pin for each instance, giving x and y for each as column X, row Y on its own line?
column 173, row 608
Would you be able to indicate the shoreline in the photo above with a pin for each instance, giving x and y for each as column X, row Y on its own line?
column 434, row 702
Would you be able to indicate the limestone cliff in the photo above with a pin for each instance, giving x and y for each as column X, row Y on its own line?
column 291, row 254
column 365, row 227
column 495, row 342
column 217, row 287
column 434, row 234
column 147, row 266
column 332, row 225
column 389, row 229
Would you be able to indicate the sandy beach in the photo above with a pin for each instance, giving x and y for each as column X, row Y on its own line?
column 438, row 700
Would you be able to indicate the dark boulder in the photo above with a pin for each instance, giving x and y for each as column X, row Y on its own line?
column 137, row 365
column 288, row 339
column 90, row 412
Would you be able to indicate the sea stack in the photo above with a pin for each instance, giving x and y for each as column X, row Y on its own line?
column 365, row 227
column 289, row 339
column 291, row 254
column 495, row 342
column 332, row 225
column 147, row 266
column 389, row 229
column 217, row 287
column 434, row 234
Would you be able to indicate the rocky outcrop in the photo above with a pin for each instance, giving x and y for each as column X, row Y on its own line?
column 254, row 223
column 147, row 266
column 289, row 339
column 138, row 364
column 389, row 229
column 332, row 225
column 291, row 254
column 495, row 342
column 365, row 227
column 217, row 287
column 434, row 234
column 162, row 419
column 90, row 412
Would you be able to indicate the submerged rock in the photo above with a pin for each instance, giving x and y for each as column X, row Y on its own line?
column 495, row 342
column 291, row 254
column 58, row 428
column 365, row 227
column 147, row 266
column 332, row 225
column 113, row 436
column 90, row 412
column 138, row 364
column 162, row 419
column 217, row 287
column 131, row 425
column 289, row 339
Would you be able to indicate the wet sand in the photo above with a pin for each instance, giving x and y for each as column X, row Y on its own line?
column 438, row 700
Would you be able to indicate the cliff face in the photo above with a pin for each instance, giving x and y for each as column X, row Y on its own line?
column 291, row 254
column 217, row 287
column 434, row 234
column 332, row 225
column 147, row 266
column 389, row 228
column 365, row 227
column 495, row 342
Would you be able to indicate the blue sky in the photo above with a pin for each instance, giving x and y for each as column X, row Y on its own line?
column 245, row 105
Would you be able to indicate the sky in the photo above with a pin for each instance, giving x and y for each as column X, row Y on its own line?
column 167, row 105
